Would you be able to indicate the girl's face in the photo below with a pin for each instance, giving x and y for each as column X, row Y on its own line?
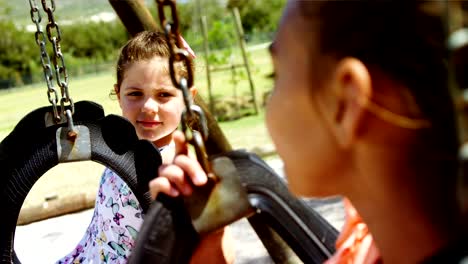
column 150, row 101
column 294, row 117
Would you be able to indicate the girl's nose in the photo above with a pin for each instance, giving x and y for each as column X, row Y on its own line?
column 150, row 106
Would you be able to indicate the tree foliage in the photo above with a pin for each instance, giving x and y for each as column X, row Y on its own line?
column 94, row 40
column 81, row 44
column 84, row 43
column 259, row 16
column 17, row 53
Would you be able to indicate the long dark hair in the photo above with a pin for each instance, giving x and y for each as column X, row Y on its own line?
column 402, row 39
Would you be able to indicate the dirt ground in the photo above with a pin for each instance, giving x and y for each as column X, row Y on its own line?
column 46, row 241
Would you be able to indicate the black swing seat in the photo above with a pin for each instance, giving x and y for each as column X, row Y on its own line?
column 30, row 150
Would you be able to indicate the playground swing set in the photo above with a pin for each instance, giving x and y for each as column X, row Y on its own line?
column 241, row 184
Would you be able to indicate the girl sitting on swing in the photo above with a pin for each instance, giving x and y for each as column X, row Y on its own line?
column 150, row 102
column 367, row 114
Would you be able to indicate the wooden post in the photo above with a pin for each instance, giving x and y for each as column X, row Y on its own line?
column 207, row 63
column 206, row 50
column 272, row 242
column 240, row 36
column 134, row 15
column 57, row 206
column 136, row 18
column 234, row 85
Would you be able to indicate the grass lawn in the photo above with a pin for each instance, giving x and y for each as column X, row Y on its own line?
column 66, row 180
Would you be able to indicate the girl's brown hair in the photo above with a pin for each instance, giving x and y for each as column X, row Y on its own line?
column 144, row 46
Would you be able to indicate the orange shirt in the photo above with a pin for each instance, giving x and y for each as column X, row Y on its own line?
column 355, row 244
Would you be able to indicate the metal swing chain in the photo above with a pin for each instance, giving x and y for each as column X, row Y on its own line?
column 192, row 112
column 45, row 60
column 66, row 102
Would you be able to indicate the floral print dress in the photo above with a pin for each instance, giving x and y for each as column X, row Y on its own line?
column 114, row 226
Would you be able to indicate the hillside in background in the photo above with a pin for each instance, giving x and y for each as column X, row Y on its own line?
column 70, row 10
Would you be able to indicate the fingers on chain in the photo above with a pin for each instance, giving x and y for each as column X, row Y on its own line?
column 162, row 185
column 180, row 142
column 176, row 177
column 192, row 169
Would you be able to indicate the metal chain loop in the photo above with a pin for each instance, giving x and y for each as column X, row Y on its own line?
column 170, row 28
column 181, row 55
column 45, row 60
column 55, row 36
column 58, row 60
column 178, row 53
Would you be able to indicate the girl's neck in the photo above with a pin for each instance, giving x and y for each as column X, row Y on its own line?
column 161, row 148
column 409, row 218
column 402, row 232
column 164, row 141
column 167, row 152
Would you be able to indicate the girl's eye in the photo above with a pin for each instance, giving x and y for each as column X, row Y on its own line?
column 134, row 93
column 165, row 94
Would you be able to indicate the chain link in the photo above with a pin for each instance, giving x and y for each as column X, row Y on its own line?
column 178, row 53
column 45, row 60
column 54, row 35
column 59, row 63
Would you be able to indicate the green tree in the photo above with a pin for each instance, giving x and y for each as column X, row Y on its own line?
column 17, row 56
column 259, row 15
column 94, row 40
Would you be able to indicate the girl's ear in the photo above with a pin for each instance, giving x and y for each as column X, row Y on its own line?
column 117, row 90
column 353, row 87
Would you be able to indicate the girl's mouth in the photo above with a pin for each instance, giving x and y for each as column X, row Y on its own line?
column 148, row 124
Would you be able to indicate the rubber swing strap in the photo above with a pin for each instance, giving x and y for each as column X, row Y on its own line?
column 167, row 235
column 32, row 148
column 269, row 192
